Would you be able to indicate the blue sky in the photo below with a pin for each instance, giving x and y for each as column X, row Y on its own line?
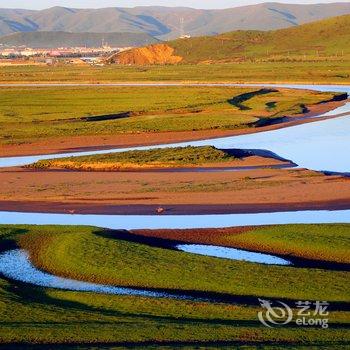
column 40, row 4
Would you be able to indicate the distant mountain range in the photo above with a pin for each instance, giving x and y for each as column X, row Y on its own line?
column 329, row 37
column 64, row 39
column 166, row 22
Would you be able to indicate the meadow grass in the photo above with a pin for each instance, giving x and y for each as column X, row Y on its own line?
column 315, row 71
column 32, row 113
column 160, row 157
column 33, row 315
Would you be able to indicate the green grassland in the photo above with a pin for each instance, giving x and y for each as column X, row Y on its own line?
column 32, row 113
column 32, row 315
column 90, row 254
column 326, row 39
column 160, row 157
column 317, row 71
column 45, row 316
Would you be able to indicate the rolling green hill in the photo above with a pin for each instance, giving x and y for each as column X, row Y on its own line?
column 322, row 38
column 328, row 38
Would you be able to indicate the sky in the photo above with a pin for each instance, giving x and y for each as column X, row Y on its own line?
column 208, row 4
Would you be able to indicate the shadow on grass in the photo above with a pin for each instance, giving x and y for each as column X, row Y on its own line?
column 238, row 101
column 8, row 240
column 36, row 296
column 31, row 295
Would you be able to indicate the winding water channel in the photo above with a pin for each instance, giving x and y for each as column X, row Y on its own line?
column 16, row 265
column 322, row 145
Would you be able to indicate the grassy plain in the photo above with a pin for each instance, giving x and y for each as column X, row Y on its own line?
column 284, row 70
column 47, row 112
column 33, row 315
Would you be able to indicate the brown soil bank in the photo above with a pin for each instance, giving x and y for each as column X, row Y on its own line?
column 257, row 190
column 153, row 54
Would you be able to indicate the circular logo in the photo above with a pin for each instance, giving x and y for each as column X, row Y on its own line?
column 278, row 315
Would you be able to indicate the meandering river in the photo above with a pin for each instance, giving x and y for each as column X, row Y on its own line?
column 322, row 145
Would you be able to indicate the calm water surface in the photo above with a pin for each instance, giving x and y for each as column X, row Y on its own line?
column 130, row 222
column 232, row 254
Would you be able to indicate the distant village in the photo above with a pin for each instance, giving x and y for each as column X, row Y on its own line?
column 89, row 55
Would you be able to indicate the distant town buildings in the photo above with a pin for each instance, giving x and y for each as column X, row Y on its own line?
column 87, row 54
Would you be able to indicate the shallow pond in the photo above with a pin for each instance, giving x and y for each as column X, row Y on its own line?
column 232, row 254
